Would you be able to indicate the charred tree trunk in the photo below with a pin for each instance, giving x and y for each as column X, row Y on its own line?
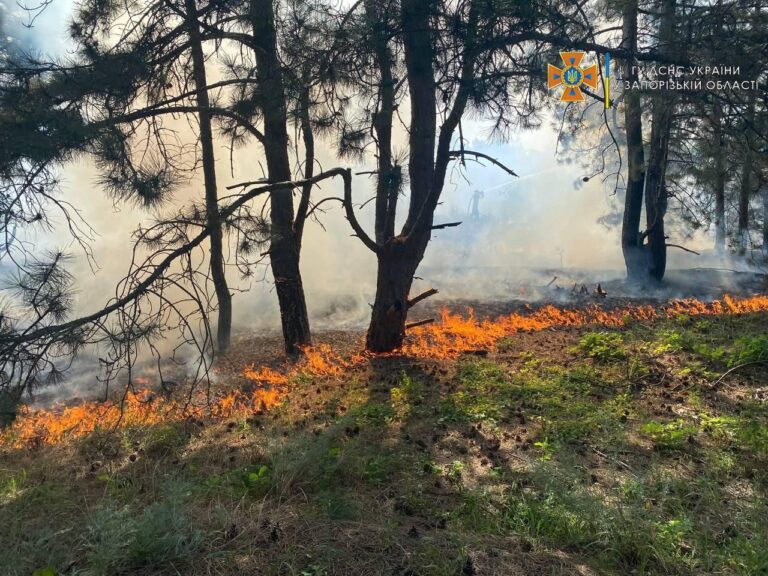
column 397, row 264
column 631, row 241
column 719, row 137
column 218, row 274
column 655, row 188
column 284, row 249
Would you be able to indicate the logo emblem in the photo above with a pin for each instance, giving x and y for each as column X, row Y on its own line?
column 572, row 76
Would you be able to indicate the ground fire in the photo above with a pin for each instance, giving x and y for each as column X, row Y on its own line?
column 455, row 334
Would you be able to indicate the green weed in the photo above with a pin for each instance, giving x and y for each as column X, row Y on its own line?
column 603, row 346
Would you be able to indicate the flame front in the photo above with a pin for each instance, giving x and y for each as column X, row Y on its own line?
column 452, row 336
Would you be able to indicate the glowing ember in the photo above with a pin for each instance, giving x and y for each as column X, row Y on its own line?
column 447, row 339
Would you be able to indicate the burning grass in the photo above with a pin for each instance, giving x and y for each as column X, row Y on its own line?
column 453, row 335
column 147, row 407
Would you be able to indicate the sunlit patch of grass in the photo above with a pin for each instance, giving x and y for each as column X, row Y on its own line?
column 670, row 435
column 406, row 396
column 11, row 484
column 603, row 346
column 650, row 524
column 749, row 349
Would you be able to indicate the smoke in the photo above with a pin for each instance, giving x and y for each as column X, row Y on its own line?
column 523, row 232
column 34, row 27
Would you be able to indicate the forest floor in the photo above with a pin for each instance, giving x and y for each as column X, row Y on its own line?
column 566, row 451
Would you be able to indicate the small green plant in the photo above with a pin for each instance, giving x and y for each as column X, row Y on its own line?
column 314, row 570
column 453, row 471
column 546, row 449
column 117, row 541
column 11, row 485
column 603, row 346
column 164, row 439
column 257, row 482
column 374, row 414
column 671, row 341
column 404, row 397
column 749, row 349
column 671, row 435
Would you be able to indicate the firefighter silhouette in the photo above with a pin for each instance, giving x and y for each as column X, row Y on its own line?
column 474, row 205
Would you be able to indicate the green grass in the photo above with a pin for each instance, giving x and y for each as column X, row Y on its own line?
column 615, row 455
column 603, row 346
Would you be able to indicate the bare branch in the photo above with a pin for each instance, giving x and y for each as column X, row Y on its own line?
column 421, row 297
column 462, row 153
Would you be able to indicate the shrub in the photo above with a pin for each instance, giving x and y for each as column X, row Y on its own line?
column 749, row 349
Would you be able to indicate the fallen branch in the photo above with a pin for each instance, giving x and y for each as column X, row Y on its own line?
column 551, row 282
column 616, row 460
column 683, row 248
column 423, row 296
column 717, row 382
column 419, row 323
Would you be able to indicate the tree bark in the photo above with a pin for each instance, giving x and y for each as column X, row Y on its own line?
column 719, row 138
column 389, row 176
column 631, row 241
column 655, row 188
column 745, row 190
column 213, row 220
column 284, row 249
column 397, row 265
column 399, row 256
column 764, row 197
column 308, row 137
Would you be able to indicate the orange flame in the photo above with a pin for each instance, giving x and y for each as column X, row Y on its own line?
column 455, row 334
column 448, row 339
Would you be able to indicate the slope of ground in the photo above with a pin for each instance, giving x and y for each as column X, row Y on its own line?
column 634, row 450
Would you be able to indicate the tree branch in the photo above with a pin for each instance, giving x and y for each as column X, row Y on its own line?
column 447, row 225
column 10, row 341
column 462, row 153
column 683, row 248
column 421, row 297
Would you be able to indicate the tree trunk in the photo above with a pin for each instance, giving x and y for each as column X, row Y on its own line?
column 631, row 241
column 308, row 137
column 655, row 188
column 719, row 179
column 764, row 195
column 218, row 274
column 284, row 246
column 397, row 265
column 389, row 177
column 399, row 257
column 745, row 189
column 744, row 194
